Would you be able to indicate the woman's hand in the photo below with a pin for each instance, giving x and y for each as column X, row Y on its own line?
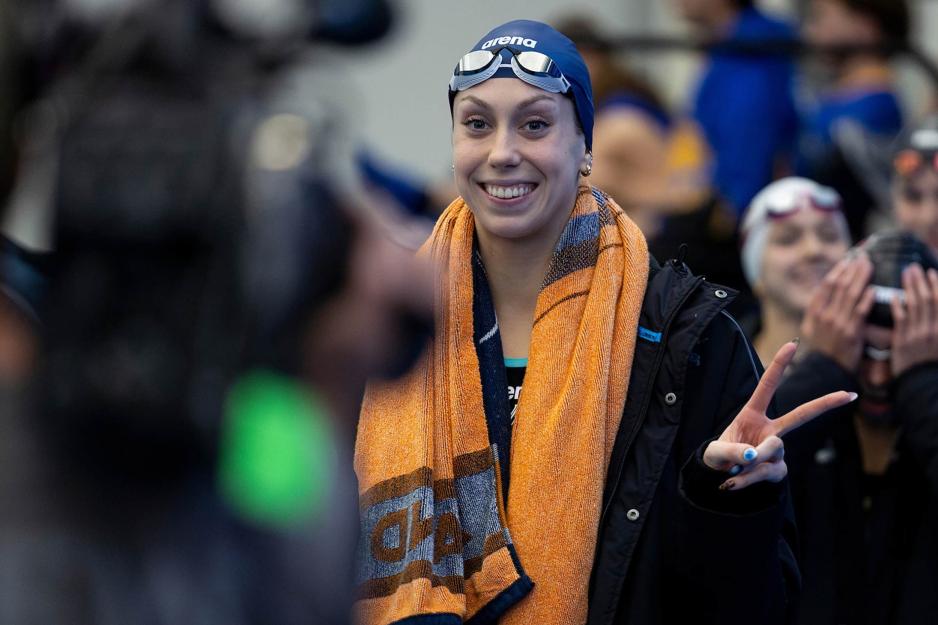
column 751, row 448
column 915, row 331
column 833, row 322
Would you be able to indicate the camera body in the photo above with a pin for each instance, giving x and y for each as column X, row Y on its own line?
column 192, row 240
column 891, row 252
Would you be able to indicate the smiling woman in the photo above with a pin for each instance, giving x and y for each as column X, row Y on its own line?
column 518, row 154
column 794, row 233
column 639, row 463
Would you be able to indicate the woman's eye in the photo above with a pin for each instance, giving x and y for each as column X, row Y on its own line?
column 535, row 125
column 474, row 123
column 786, row 238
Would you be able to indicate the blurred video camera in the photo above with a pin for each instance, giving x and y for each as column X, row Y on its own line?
column 891, row 252
column 194, row 167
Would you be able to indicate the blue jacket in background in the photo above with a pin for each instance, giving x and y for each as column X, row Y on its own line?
column 878, row 111
column 745, row 106
column 858, row 173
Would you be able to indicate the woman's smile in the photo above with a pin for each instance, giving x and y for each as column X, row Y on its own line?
column 506, row 193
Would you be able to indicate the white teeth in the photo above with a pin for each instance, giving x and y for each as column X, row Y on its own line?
column 507, row 193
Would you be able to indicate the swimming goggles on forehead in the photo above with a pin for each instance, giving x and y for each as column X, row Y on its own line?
column 907, row 162
column 532, row 67
column 823, row 199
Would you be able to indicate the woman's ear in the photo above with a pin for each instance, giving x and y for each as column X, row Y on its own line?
column 587, row 167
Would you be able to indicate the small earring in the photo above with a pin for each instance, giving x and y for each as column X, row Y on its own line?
column 589, row 165
column 453, row 166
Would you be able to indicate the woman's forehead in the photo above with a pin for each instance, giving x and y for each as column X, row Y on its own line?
column 507, row 93
column 806, row 218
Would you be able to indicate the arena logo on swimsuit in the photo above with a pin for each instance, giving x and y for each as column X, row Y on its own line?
column 510, row 41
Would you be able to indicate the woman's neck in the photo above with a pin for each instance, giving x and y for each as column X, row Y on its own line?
column 515, row 272
column 778, row 328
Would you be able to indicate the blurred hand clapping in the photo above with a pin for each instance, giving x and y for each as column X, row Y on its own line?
column 915, row 334
column 833, row 323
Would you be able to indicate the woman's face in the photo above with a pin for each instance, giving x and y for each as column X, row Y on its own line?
column 799, row 251
column 916, row 202
column 517, row 153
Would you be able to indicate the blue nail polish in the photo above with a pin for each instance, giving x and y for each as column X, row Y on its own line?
column 750, row 454
column 735, row 470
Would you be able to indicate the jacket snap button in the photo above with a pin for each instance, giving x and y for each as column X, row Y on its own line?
column 632, row 515
column 720, row 293
column 670, row 399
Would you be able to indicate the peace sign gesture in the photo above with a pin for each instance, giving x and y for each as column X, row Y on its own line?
column 751, row 448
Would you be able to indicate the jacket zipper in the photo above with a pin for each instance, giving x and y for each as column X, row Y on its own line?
column 647, row 399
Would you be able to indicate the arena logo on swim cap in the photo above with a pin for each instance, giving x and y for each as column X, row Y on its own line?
column 510, row 41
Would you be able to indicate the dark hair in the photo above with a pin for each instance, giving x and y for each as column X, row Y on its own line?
column 612, row 76
column 892, row 17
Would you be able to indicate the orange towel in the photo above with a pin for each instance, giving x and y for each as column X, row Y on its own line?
column 436, row 539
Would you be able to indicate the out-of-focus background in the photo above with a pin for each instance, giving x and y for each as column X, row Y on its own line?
column 209, row 212
column 431, row 35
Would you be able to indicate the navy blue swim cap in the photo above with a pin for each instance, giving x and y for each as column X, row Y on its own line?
column 528, row 35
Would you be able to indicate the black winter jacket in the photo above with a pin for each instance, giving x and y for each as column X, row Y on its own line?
column 672, row 548
column 869, row 548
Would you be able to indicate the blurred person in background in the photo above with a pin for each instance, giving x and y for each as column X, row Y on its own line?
column 915, row 182
column 793, row 234
column 179, row 455
column 857, row 112
column 632, row 127
column 744, row 100
column 655, row 164
column 864, row 478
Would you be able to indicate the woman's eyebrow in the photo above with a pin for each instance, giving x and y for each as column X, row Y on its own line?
column 476, row 101
column 535, row 100
column 524, row 104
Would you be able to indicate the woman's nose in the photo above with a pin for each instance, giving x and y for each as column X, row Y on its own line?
column 504, row 152
column 811, row 245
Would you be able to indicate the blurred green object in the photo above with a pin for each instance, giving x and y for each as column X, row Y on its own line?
column 276, row 455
